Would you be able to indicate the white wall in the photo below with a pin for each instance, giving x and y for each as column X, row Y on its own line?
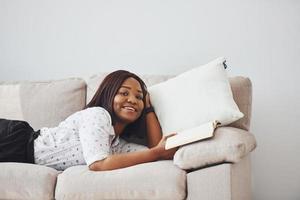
column 61, row 38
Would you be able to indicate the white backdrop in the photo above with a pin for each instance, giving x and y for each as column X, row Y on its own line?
column 56, row 39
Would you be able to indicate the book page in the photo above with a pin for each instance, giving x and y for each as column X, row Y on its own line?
column 191, row 135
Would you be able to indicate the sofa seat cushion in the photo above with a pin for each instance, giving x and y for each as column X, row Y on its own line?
column 154, row 180
column 26, row 181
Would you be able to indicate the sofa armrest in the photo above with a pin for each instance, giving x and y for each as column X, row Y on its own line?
column 225, row 181
column 229, row 144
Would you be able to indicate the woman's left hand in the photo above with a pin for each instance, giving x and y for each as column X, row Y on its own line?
column 148, row 103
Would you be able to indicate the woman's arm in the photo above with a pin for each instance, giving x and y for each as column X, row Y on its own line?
column 133, row 158
column 154, row 132
column 124, row 160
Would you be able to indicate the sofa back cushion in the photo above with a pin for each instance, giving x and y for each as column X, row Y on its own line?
column 42, row 104
column 49, row 102
column 242, row 94
column 241, row 89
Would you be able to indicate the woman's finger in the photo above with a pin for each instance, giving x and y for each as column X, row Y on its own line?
column 170, row 135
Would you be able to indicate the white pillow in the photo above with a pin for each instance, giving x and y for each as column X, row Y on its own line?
column 195, row 97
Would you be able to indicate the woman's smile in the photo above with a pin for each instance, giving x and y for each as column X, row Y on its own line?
column 129, row 109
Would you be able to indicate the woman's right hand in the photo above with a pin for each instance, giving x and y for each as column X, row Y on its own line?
column 160, row 150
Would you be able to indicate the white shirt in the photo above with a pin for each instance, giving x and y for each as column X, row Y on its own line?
column 83, row 138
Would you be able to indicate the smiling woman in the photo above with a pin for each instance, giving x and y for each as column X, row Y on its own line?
column 96, row 136
column 119, row 89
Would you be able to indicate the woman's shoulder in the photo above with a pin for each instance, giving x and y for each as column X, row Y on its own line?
column 97, row 112
column 96, row 109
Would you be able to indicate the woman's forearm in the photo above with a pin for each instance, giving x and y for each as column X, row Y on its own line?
column 118, row 161
column 154, row 133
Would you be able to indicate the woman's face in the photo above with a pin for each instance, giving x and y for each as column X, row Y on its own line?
column 128, row 103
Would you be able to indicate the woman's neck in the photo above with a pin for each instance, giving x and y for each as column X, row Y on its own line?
column 119, row 128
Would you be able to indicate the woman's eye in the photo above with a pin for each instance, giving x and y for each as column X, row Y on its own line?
column 124, row 93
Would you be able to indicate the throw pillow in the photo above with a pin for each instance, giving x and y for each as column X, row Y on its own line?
column 228, row 145
column 195, row 97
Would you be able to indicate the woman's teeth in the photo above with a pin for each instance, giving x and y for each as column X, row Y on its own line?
column 129, row 108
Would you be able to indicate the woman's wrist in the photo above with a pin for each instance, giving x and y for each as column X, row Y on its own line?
column 148, row 104
column 155, row 153
column 149, row 109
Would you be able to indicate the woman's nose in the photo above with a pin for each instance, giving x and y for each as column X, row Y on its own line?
column 131, row 99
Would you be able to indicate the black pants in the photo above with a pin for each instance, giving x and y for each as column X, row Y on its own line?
column 16, row 141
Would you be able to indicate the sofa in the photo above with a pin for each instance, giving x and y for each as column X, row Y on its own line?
column 46, row 103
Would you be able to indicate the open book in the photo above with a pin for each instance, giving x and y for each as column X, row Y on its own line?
column 192, row 135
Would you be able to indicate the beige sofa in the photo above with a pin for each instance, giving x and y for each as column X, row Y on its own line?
column 47, row 103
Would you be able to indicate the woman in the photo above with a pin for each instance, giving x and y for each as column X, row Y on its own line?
column 120, row 109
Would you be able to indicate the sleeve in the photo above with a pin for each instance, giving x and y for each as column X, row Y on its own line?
column 94, row 132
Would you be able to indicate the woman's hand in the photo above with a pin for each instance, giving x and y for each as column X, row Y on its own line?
column 160, row 150
column 148, row 103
